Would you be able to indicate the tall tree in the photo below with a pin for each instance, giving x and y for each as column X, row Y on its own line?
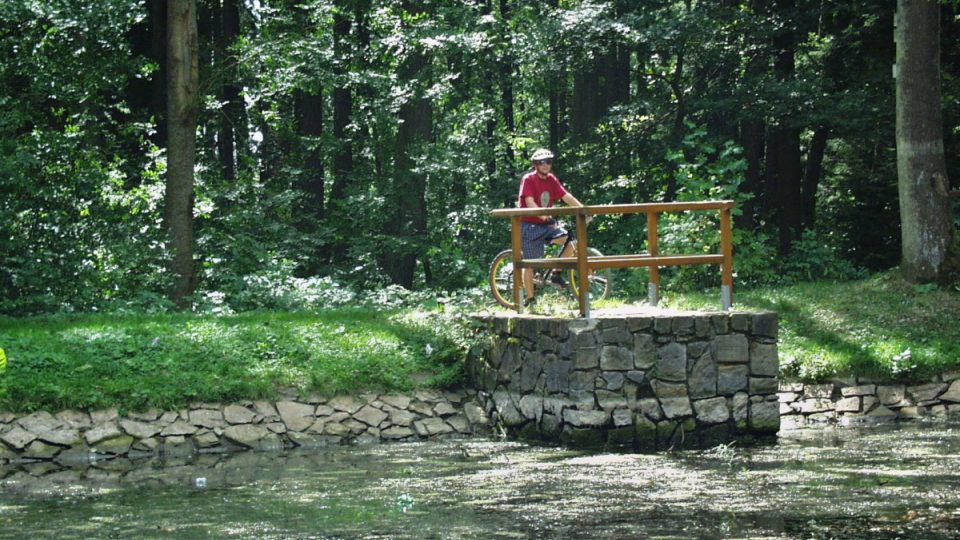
column 182, row 110
column 925, row 223
column 407, row 224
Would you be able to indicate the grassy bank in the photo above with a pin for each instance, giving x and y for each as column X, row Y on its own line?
column 878, row 327
column 168, row 361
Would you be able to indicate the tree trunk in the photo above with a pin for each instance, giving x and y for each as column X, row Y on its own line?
column 408, row 220
column 310, row 127
column 752, row 139
column 233, row 132
column 811, row 176
column 182, row 110
column 342, row 109
column 925, row 221
column 507, row 69
column 784, row 143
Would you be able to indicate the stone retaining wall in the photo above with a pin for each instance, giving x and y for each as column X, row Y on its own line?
column 72, row 436
column 853, row 401
column 632, row 381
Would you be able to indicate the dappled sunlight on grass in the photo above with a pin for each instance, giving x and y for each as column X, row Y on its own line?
column 168, row 361
column 879, row 327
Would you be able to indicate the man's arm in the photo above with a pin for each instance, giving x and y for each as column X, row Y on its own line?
column 570, row 200
column 531, row 203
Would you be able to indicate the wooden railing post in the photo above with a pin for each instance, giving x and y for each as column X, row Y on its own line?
column 726, row 268
column 583, row 276
column 515, row 243
column 653, row 282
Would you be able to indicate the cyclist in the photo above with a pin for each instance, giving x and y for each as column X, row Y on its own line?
column 540, row 188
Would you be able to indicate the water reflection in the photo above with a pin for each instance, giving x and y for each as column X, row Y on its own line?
column 891, row 482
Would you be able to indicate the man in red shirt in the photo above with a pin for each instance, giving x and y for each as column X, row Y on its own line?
column 540, row 189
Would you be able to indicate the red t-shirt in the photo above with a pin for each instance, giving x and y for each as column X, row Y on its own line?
column 545, row 191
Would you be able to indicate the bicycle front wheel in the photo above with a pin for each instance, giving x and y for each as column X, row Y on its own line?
column 598, row 280
column 501, row 279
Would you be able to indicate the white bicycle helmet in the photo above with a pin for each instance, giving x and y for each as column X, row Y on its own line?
column 541, row 153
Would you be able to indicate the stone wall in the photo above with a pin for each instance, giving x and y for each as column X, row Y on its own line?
column 632, row 381
column 856, row 401
column 70, row 437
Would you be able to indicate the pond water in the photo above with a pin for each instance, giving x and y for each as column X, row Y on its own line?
column 880, row 482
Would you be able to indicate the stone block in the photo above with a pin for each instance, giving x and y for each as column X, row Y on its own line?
column 429, row 427
column 732, row 349
column 676, row 407
column 401, row 417
column 370, row 416
column 207, row 418
column 765, row 417
column 398, row 402
column 81, row 420
column 622, row 417
column 668, row 390
column 580, row 419
column 892, row 395
column 586, row 358
column 787, row 397
column 740, row 407
column 651, row 409
column 820, row 391
column 683, row 326
column 531, row 407
column 583, row 381
column 39, row 422
column 396, row 433
column 615, row 333
column 236, row 414
column 815, row 405
column 663, row 325
column 139, row 430
column 861, row 390
column 40, row 450
column 509, row 413
column 953, row 392
column 18, row 438
column 610, row 400
column 925, row 392
column 247, row 435
column 848, row 404
column 791, row 387
column 720, row 323
column 644, row 351
column 740, row 322
column 177, row 428
column 762, row 385
column 731, row 378
column 637, row 324
column 702, row 327
column 558, row 376
column 672, row 362
column 614, row 358
column 765, row 324
column 763, row 359
column 117, row 446
column 614, row 380
column 530, row 372
column 711, row 411
column 636, row 376
column 442, row 409
column 703, row 377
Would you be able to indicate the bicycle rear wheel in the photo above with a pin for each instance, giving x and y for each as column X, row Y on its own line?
column 501, row 279
column 598, row 280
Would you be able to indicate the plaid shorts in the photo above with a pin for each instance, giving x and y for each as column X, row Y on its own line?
column 536, row 235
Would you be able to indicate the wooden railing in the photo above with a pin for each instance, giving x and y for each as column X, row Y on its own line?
column 653, row 260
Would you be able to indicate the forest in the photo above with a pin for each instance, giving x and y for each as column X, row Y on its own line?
column 323, row 146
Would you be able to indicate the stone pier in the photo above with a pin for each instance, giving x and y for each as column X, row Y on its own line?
column 641, row 380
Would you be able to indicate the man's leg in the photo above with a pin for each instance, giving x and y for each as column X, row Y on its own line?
column 528, row 281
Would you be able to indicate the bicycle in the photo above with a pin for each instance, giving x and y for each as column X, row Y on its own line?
column 501, row 276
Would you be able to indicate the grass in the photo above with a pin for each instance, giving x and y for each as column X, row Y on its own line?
column 879, row 327
column 168, row 361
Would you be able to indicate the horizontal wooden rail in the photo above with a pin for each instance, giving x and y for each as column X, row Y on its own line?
column 652, row 260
